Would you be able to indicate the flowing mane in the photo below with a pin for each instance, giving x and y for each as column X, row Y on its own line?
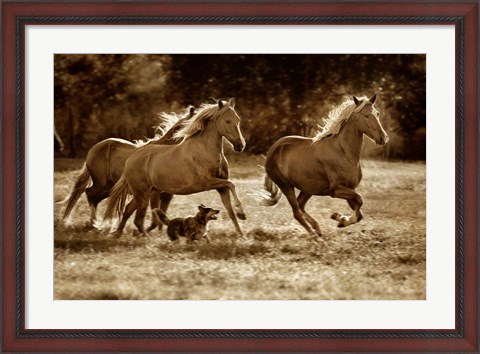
column 338, row 116
column 198, row 122
column 168, row 120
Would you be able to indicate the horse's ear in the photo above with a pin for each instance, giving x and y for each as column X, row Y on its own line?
column 373, row 98
column 356, row 100
column 231, row 102
column 220, row 103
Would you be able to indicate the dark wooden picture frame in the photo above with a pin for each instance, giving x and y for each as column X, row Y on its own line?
column 17, row 14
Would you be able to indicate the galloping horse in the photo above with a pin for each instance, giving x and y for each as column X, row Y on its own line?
column 328, row 164
column 106, row 159
column 195, row 165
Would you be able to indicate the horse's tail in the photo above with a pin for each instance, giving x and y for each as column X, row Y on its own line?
column 80, row 185
column 160, row 215
column 273, row 193
column 118, row 196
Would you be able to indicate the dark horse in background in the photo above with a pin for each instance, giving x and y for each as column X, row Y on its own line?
column 328, row 164
column 105, row 162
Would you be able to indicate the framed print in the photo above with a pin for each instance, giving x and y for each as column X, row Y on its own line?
column 212, row 125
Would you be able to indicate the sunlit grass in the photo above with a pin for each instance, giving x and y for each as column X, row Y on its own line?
column 382, row 257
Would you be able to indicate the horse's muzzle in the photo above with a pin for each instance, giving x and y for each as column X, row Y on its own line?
column 383, row 140
column 239, row 147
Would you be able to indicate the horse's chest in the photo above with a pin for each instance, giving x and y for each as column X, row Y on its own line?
column 214, row 168
column 348, row 176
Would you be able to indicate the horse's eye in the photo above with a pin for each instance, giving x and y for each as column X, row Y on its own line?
column 228, row 121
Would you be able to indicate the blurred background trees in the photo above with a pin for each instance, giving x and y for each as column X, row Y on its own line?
column 117, row 95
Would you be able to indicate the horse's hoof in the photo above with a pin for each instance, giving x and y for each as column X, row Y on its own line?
column 116, row 234
column 336, row 216
column 242, row 216
column 342, row 222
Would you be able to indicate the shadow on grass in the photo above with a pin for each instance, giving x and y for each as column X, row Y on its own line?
column 221, row 251
column 83, row 239
column 100, row 295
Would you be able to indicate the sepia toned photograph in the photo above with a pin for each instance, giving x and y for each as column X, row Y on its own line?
column 240, row 177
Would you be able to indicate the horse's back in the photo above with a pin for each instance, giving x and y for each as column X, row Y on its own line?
column 290, row 139
column 102, row 147
column 106, row 159
column 291, row 142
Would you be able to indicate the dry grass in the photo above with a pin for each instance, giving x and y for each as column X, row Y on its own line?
column 382, row 257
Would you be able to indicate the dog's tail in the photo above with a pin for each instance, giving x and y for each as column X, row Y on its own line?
column 160, row 215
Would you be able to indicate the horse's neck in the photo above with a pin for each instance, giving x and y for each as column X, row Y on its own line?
column 208, row 141
column 167, row 138
column 351, row 140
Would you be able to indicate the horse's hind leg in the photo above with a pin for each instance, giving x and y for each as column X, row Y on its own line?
column 302, row 200
column 129, row 209
column 354, row 200
column 142, row 205
column 298, row 214
column 225, row 197
column 154, row 204
column 164, row 200
column 94, row 196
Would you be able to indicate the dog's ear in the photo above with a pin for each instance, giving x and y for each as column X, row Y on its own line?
column 201, row 206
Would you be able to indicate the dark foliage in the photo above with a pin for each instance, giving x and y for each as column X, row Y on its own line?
column 100, row 96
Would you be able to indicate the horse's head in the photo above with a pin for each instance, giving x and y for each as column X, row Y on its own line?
column 368, row 120
column 228, row 124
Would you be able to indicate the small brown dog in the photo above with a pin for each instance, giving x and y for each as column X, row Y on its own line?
column 192, row 227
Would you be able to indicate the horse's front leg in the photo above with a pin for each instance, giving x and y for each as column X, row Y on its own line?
column 218, row 183
column 302, row 200
column 225, row 196
column 354, row 200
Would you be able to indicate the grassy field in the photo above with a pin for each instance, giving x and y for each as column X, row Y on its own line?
column 382, row 257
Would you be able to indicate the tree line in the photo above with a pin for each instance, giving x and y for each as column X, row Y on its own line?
column 98, row 96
